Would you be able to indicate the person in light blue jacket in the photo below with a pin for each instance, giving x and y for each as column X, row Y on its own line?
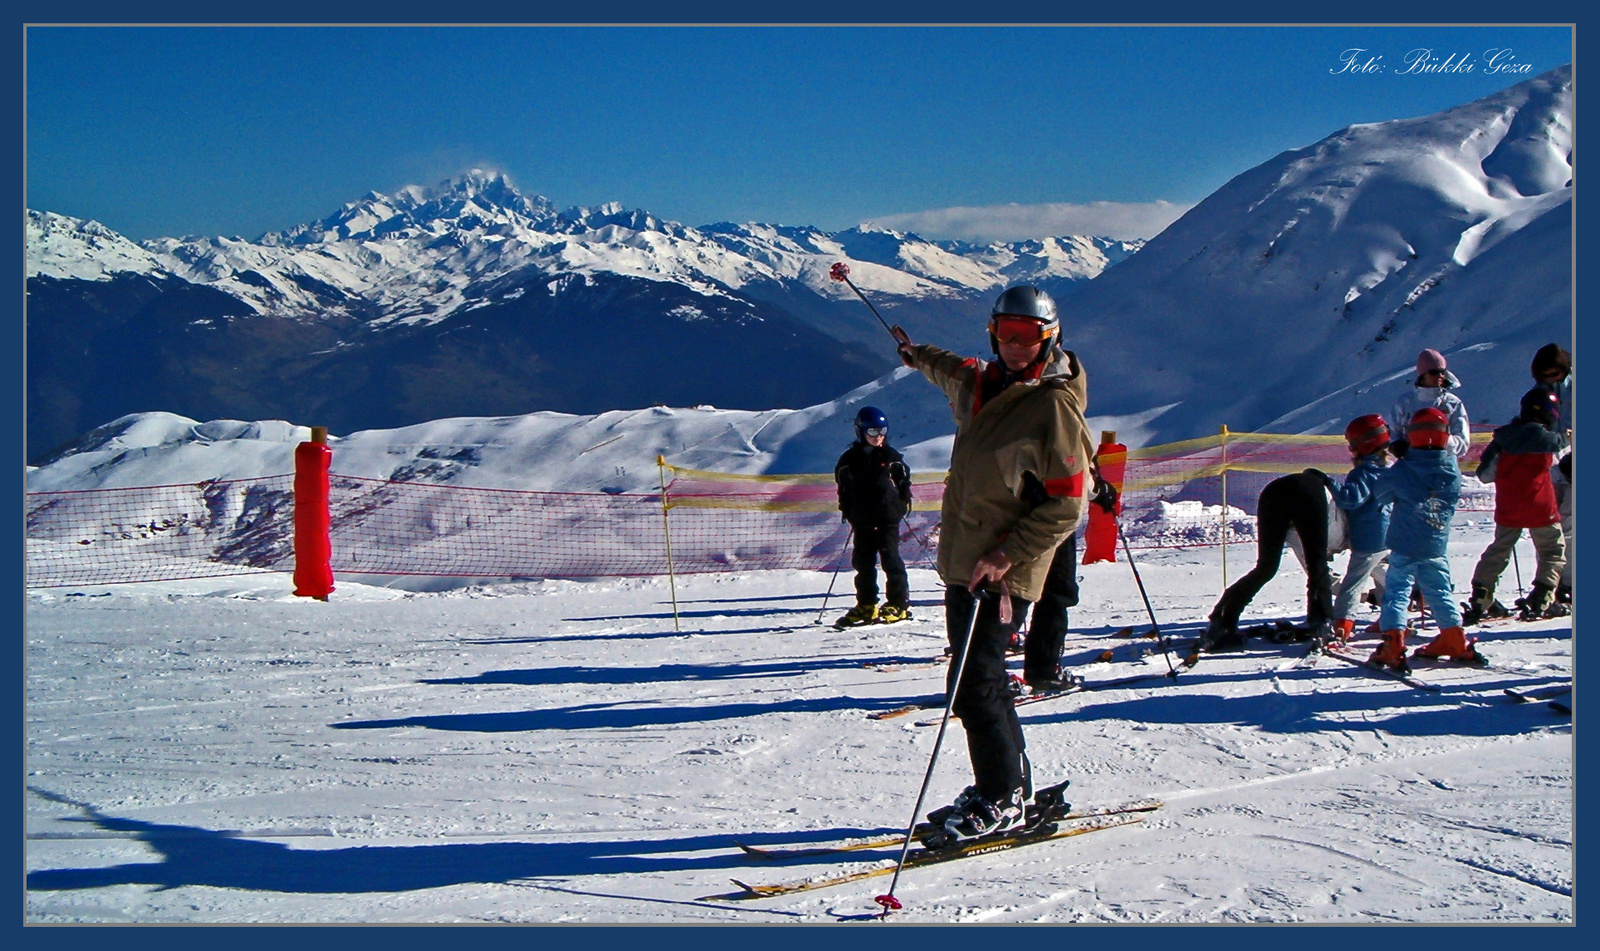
column 1424, row 487
column 1367, row 518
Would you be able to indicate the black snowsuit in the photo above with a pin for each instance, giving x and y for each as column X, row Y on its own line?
column 1300, row 502
column 874, row 495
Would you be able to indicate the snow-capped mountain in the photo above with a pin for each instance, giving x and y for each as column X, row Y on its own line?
column 1299, row 294
column 471, row 298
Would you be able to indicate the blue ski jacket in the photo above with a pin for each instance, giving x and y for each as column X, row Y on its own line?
column 1424, row 487
column 1368, row 518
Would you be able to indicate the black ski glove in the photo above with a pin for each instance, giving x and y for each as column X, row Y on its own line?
column 1399, row 447
column 1105, row 495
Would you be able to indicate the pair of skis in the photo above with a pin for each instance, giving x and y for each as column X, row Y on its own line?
column 1048, row 818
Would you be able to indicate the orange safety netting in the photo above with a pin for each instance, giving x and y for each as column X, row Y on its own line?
column 1174, row 496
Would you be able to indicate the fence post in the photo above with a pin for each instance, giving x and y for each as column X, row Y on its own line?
column 666, row 530
column 1224, row 506
column 313, row 551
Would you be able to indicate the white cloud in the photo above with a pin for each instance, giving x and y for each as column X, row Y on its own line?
column 1106, row 219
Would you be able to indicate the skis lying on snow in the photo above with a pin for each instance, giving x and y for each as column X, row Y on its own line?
column 1404, row 676
column 927, row 828
column 1050, row 822
column 1539, row 693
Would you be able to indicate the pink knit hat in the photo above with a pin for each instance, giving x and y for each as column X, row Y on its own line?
column 1429, row 360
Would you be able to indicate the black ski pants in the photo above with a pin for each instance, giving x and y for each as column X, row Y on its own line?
column 872, row 545
column 983, row 698
column 1047, row 633
column 1294, row 501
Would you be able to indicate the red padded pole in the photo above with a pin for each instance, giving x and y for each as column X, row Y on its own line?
column 1100, row 539
column 313, row 551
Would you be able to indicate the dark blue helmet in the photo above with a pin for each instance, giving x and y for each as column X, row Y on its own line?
column 871, row 421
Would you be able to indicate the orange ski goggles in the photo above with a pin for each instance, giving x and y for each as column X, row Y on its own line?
column 1018, row 330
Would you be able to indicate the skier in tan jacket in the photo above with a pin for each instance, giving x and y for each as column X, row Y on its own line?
column 1019, row 479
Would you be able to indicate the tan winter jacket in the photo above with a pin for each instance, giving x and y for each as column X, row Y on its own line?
column 990, row 500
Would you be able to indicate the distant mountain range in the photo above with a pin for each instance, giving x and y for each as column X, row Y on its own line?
column 473, row 299
column 1294, row 298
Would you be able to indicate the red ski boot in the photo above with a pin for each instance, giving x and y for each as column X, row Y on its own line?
column 1392, row 653
column 1343, row 630
column 1452, row 644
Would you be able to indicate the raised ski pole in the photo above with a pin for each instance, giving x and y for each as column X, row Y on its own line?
column 887, row 899
column 1162, row 638
column 835, row 577
column 841, row 272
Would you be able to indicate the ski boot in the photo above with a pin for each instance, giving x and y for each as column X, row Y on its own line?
column 939, row 815
column 1392, row 653
column 891, row 613
column 1058, row 680
column 980, row 817
column 1452, row 644
column 1340, row 634
column 1015, row 643
column 1482, row 607
column 1221, row 635
column 863, row 613
column 1564, row 594
column 1540, row 597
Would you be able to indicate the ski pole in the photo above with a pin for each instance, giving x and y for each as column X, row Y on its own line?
column 1517, row 563
column 835, row 577
column 1171, row 670
column 841, row 272
column 887, row 899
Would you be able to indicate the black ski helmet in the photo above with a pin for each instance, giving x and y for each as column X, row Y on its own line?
column 1025, row 300
column 1539, row 405
column 870, row 417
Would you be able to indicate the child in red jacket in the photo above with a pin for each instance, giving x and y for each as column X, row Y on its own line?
column 1518, row 462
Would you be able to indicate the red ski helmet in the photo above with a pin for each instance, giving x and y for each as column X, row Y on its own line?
column 1430, row 429
column 1367, row 434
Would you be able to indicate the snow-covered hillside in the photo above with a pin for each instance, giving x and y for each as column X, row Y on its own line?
column 613, row 451
column 1299, row 294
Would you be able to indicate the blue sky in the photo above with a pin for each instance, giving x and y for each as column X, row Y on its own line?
column 173, row 131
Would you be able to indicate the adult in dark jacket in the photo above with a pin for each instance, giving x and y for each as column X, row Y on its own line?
column 874, row 495
column 1518, row 461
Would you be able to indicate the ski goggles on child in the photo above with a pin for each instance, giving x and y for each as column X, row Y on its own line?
column 1017, row 330
column 875, row 431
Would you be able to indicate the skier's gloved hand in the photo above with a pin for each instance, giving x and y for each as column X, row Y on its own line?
column 902, row 342
column 1399, row 447
column 1105, row 495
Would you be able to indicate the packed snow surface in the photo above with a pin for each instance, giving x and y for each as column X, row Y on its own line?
column 221, row 751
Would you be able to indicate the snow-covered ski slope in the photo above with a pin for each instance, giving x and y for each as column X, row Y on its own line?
column 557, row 752
column 1298, row 295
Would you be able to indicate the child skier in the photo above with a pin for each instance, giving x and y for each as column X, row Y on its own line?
column 1518, row 461
column 874, row 495
column 1367, row 518
column 1424, row 486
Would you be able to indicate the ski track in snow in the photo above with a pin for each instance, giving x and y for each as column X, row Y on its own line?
column 219, row 751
